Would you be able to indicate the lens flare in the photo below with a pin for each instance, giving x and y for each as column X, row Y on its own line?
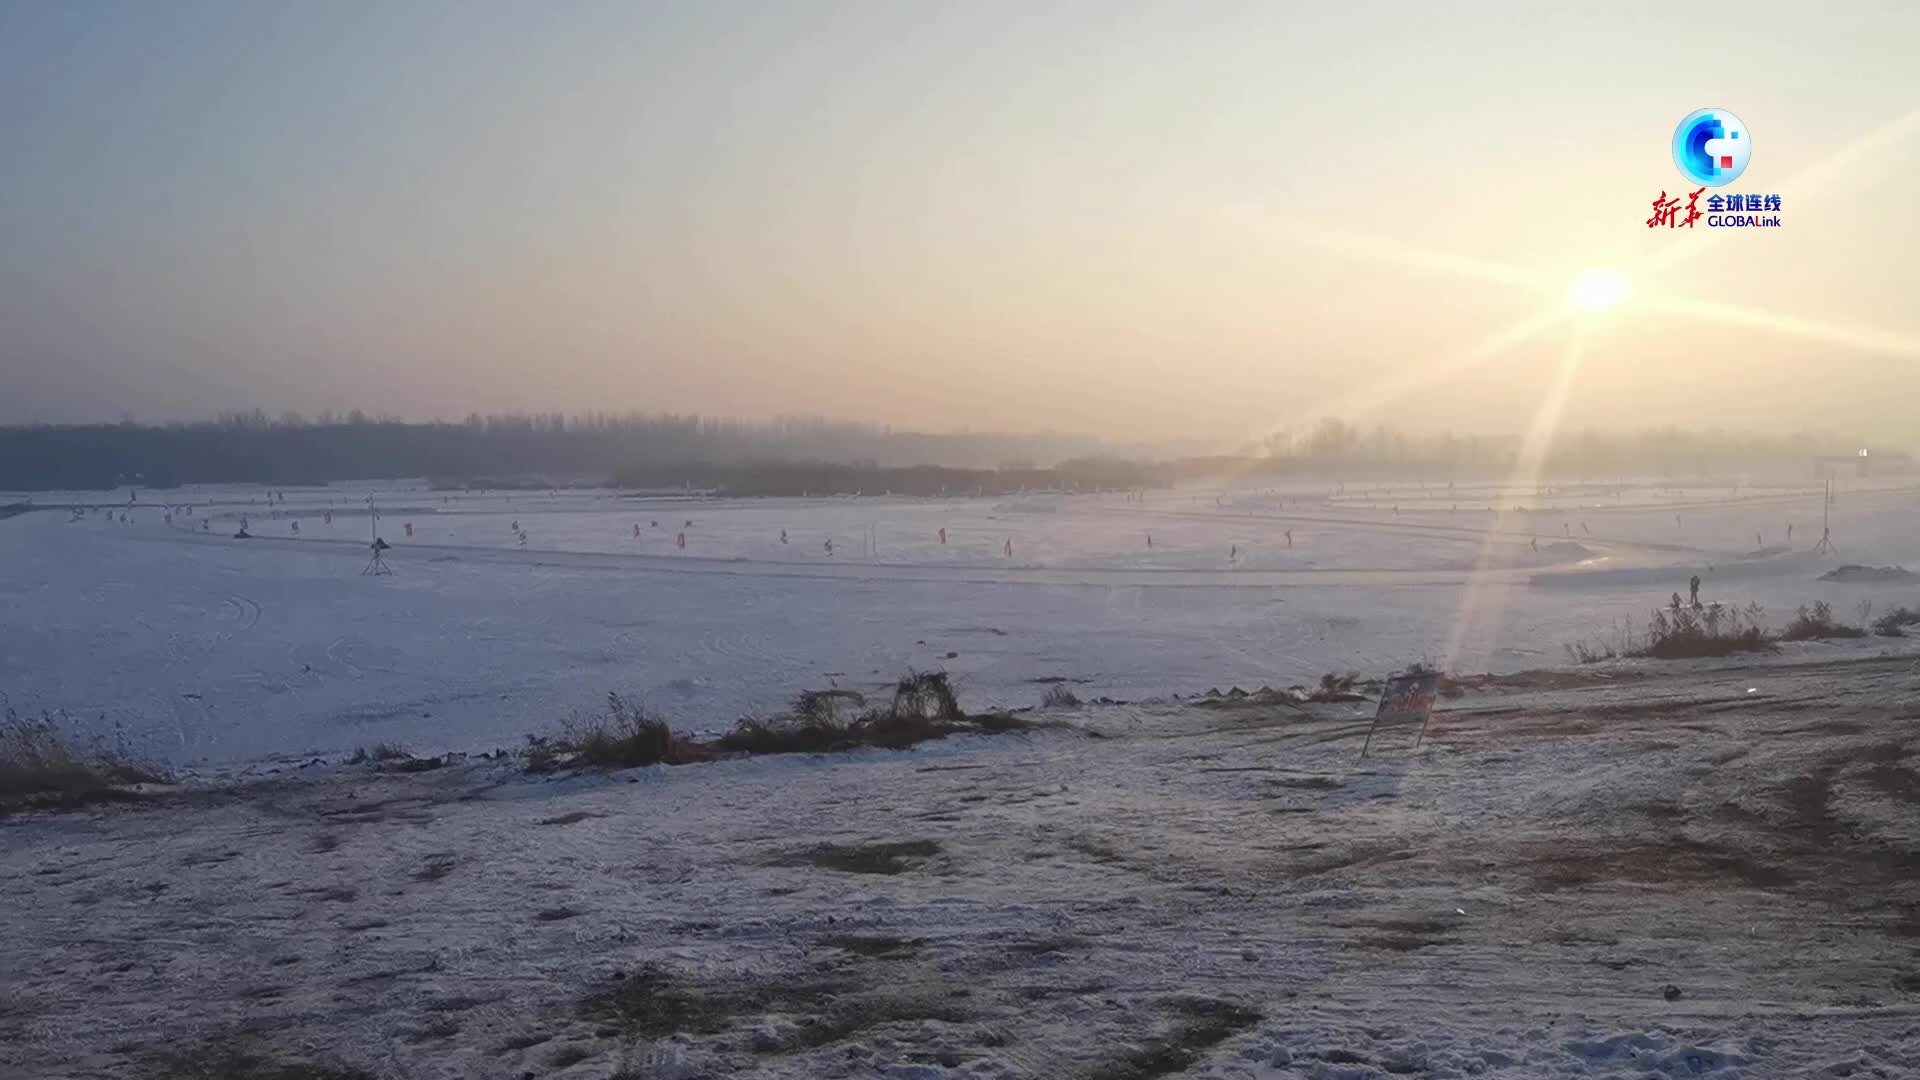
column 1594, row 291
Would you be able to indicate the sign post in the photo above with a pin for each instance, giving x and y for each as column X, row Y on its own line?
column 1408, row 698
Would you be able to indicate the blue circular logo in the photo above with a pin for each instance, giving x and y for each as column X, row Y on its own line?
column 1711, row 147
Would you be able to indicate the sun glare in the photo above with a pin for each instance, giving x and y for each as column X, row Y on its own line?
column 1598, row 290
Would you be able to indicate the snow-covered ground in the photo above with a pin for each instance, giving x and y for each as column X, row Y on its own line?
column 1690, row 870
column 184, row 644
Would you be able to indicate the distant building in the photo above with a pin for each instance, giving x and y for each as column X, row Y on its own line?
column 1865, row 462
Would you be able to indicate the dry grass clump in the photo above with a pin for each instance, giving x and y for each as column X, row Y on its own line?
column 1337, row 687
column 1817, row 624
column 1895, row 622
column 41, row 767
column 1680, row 632
column 923, row 706
column 626, row 736
column 1058, row 696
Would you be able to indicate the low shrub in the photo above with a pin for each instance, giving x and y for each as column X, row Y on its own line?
column 926, row 695
column 1682, row 633
column 1816, row 624
column 1895, row 622
column 1679, row 632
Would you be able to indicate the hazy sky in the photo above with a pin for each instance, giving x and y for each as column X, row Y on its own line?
column 1138, row 220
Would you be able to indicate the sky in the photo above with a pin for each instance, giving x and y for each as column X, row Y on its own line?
column 1142, row 221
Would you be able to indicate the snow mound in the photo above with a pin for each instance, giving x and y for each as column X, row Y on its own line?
column 1567, row 549
column 1853, row 572
column 1036, row 504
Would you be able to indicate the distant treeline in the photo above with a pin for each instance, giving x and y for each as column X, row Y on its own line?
column 513, row 450
column 1334, row 447
column 827, row 478
column 789, row 457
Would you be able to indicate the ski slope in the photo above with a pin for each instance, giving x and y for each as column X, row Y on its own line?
column 180, row 642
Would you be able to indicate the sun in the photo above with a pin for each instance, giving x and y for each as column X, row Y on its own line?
column 1594, row 291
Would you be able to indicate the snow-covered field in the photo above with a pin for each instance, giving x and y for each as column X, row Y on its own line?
column 1621, row 871
column 1689, row 870
column 184, row 644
